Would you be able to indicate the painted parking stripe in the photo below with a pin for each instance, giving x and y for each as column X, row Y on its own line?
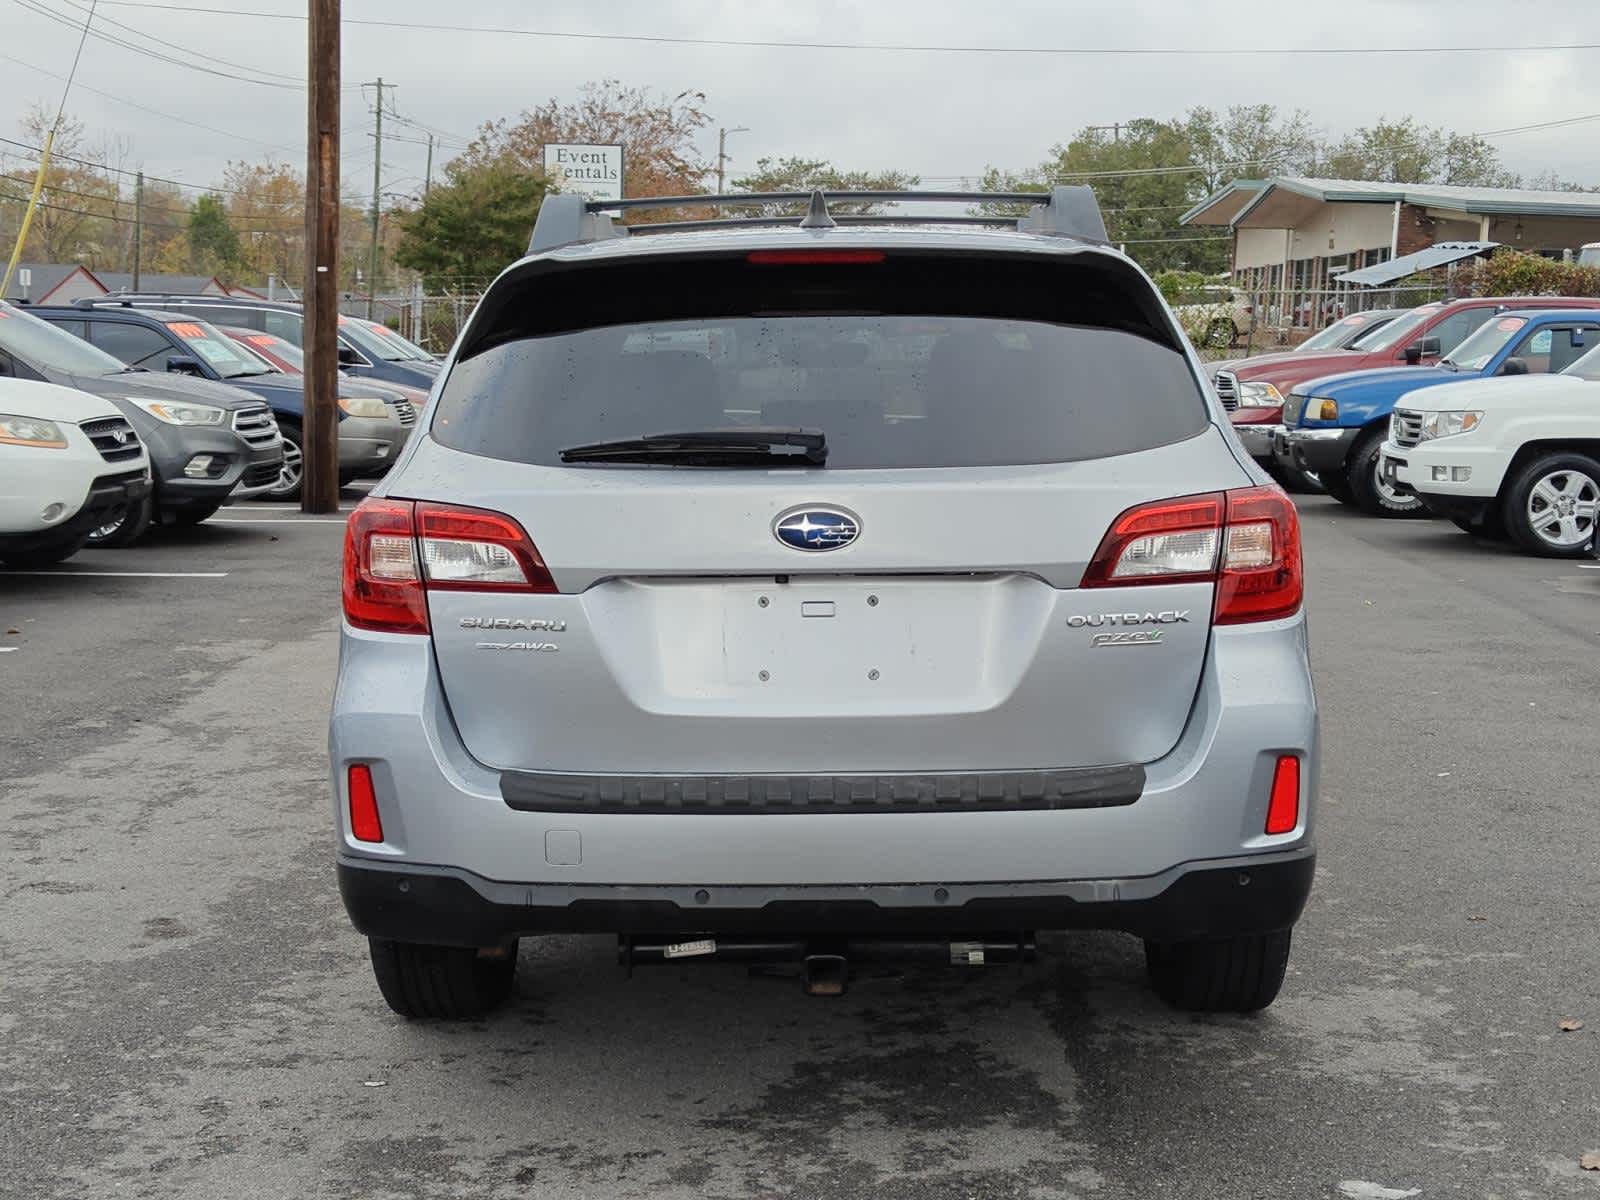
column 125, row 574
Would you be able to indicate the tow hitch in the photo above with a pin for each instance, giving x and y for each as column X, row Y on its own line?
column 825, row 963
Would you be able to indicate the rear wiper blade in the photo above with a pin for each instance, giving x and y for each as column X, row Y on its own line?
column 782, row 444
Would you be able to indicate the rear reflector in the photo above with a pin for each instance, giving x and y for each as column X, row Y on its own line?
column 364, row 821
column 1246, row 541
column 1283, row 809
column 395, row 551
column 798, row 257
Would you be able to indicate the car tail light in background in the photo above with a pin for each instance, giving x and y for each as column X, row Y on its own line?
column 395, row 551
column 365, row 823
column 1283, row 808
column 1247, row 541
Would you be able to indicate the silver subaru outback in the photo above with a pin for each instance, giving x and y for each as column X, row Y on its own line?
column 816, row 587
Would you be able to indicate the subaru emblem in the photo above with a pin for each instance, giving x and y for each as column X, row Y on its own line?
column 815, row 527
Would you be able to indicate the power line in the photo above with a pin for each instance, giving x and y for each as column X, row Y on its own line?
column 84, row 87
column 895, row 47
column 170, row 59
column 168, row 43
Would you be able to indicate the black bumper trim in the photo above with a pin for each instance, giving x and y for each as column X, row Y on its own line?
column 728, row 795
column 441, row 906
column 1324, row 454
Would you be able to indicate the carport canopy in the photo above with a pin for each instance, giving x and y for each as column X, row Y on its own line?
column 1409, row 264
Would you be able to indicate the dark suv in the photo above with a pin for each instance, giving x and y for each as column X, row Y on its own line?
column 208, row 442
column 362, row 353
column 372, row 426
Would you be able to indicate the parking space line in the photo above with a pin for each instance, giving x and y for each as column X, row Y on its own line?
column 125, row 574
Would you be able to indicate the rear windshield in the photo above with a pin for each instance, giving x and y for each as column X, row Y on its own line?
column 913, row 361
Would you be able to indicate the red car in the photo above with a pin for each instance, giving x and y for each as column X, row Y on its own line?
column 1253, row 389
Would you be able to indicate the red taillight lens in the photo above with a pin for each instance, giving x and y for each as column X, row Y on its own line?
column 1283, row 809
column 382, row 578
column 1172, row 541
column 364, row 820
column 395, row 549
column 470, row 550
column 801, row 257
column 1247, row 541
column 1261, row 576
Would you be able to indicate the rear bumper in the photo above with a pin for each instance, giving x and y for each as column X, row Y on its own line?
column 446, row 907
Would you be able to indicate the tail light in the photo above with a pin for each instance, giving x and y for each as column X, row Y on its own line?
column 1246, row 541
column 395, row 551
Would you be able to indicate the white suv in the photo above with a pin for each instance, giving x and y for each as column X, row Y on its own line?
column 1517, row 457
column 68, row 462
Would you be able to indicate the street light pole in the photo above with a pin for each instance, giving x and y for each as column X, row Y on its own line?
column 722, row 151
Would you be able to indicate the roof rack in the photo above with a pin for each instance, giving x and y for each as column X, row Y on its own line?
column 565, row 220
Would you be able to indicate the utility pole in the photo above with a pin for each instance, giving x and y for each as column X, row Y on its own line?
column 1116, row 130
column 377, row 201
column 138, row 227
column 319, row 489
column 722, row 151
column 427, row 176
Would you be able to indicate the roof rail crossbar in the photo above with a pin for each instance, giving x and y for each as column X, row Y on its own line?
column 1065, row 211
column 838, row 219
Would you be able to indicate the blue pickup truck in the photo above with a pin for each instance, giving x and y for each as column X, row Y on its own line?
column 1335, row 425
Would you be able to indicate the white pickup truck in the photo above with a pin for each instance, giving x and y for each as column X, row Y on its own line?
column 1515, row 457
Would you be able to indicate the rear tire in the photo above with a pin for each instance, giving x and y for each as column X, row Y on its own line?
column 125, row 526
column 1552, row 507
column 1370, row 494
column 1239, row 974
column 448, row 983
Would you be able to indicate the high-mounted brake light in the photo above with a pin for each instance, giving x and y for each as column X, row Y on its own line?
column 395, row 551
column 1247, row 541
column 798, row 257
column 1283, row 807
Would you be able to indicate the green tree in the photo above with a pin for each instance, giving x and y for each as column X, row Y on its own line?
column 213, row 244
column 1250, row 141
column 1407, row 151
column 471, row 226
column 805, row 174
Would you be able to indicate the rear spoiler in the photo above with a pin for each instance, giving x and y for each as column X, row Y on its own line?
column 566, row 220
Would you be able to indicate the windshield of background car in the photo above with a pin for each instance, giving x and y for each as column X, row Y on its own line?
column 41, row 344
column 1334, row 335
column 369, row 343
column 217, row 350
column 277, row 348
column 907, row 361
column 1397, row 332
column 1474, row 353
column 409, row 349
column 1587, row 367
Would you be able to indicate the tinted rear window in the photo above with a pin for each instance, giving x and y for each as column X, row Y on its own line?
column 915, row 361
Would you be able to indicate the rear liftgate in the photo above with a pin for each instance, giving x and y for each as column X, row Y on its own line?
column 825, row 963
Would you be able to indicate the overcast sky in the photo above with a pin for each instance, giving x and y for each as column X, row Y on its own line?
column 941, row 115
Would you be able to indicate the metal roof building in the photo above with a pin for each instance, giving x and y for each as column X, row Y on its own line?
column 1293, row 236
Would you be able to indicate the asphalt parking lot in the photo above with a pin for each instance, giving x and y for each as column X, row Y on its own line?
column 184, row 1011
